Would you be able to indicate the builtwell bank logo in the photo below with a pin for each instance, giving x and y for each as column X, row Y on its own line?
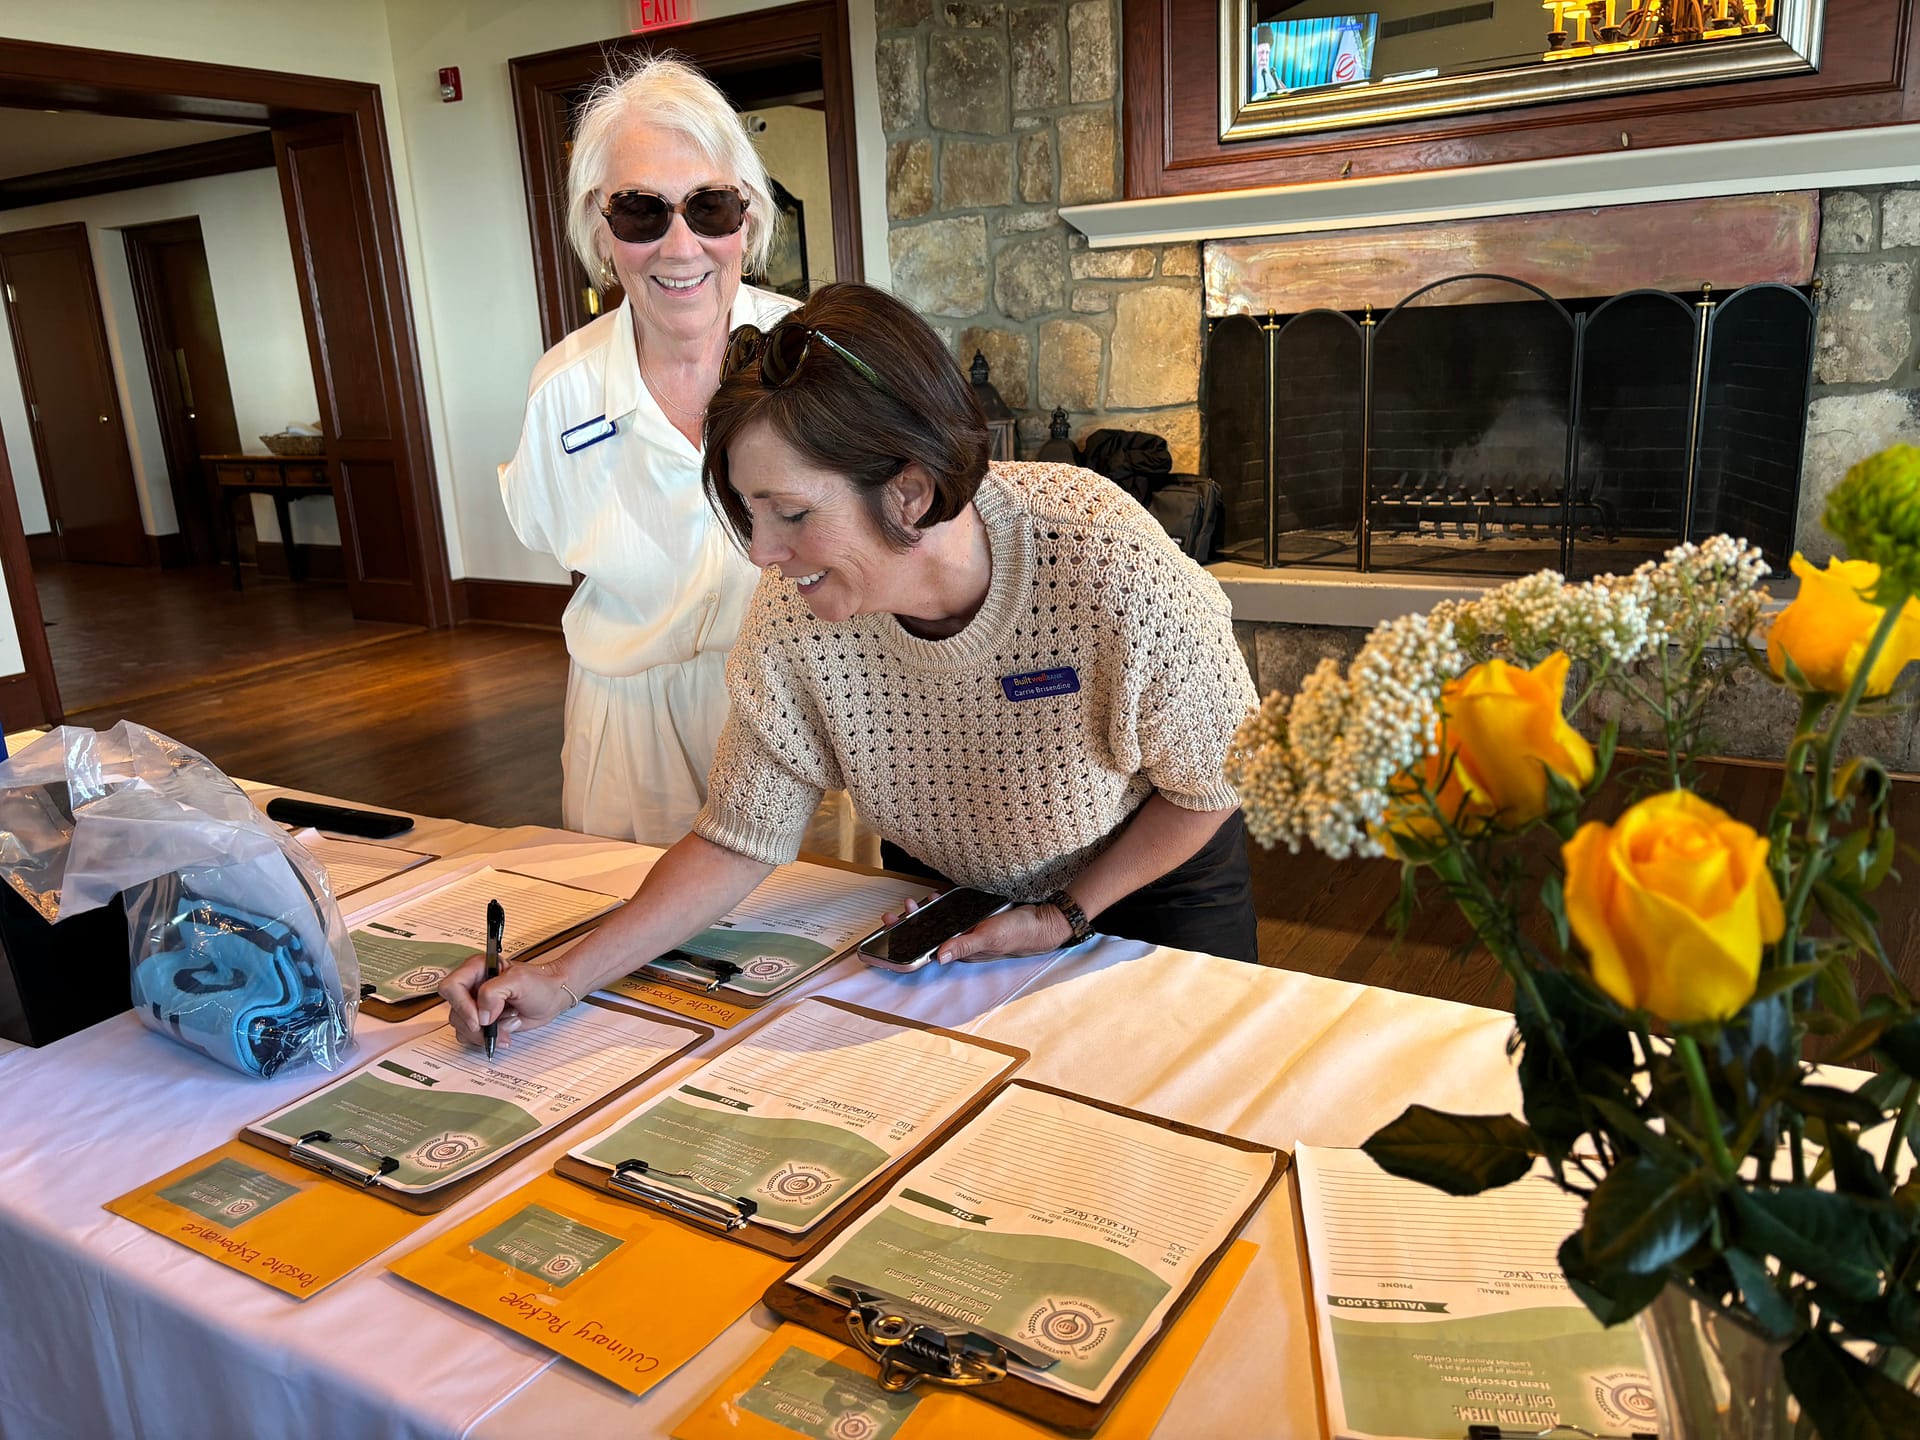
column 1068, row 1329
column 1625, row 1397
column 1038, row 684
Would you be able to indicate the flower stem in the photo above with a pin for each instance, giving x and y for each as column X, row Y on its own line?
column 1901, row 1129
column 1696, row 1070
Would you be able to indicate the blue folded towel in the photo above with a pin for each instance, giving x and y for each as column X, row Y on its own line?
column 239, row 987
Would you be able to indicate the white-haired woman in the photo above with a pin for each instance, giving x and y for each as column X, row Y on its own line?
column 666, row 196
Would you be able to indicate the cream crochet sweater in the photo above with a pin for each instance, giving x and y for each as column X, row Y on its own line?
column 1012, row 795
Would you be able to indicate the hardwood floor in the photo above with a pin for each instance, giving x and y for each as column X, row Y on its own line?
column 466, row 724
column 122, row 631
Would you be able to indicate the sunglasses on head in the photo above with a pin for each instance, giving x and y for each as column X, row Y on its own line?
column 639, row 217
column 781, row 351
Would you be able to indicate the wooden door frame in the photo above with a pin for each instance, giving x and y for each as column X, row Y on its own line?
column 191, row 490
column 67, row 77
column 813, row 30
column 77, row 231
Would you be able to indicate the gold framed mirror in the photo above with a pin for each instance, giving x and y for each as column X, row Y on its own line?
column 1290, row 67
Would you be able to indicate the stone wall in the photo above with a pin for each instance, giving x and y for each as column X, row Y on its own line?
column 1866, row 393
column 996, row 115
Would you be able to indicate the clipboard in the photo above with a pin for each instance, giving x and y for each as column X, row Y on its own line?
column 365, row 1175
column 993, row 1381
column 628, row 1185
column 398, row 1010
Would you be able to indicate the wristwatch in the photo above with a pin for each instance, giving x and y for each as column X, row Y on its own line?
column 1076, row 917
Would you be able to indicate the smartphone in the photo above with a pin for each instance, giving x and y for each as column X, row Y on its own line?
column 909, row 943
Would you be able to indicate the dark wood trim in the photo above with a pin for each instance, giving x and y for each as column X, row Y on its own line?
column 134, row 172
column 169, row 552
column 66, row 77
column 44, row 548
column 319, row 562
column 1170, row 111
column 735, row 46
column 32, row 699
column 513, row 602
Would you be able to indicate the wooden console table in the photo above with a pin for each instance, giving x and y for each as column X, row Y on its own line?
column 285, row 477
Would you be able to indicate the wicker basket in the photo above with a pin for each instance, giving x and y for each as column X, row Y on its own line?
column 295, row 444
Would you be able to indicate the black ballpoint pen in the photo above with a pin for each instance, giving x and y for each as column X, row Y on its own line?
column 496, row 938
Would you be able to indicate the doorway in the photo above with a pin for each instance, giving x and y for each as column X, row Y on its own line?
column 78, row 433
column 336, row 192
column 187, row 363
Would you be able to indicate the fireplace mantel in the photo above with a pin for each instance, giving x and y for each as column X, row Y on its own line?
column 1881, row 155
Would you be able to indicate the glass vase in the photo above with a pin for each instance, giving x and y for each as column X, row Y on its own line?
column 1716, row 1376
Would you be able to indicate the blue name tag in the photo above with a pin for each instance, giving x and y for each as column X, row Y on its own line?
column 1038, row 684
column 581, row 436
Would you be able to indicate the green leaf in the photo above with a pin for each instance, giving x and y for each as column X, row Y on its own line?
column 1826, row 1237
column 1644, row 1138
column 1858, row 1040
column 1603, row 749
column 1851, row 916
column 1554, row 898
column 1848, row 1107
column 1784, row 978
column 1646, row 1215
column 1900, row 1044
column 1853, row 1172
column 1460, row 1154
column 1765, row 1303
column 1612, row 1298
column 1845, row 1398
column 1834, row 987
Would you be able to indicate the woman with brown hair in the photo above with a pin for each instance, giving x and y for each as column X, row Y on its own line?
column 1020, row 680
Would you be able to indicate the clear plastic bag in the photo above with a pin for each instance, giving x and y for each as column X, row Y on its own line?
column 236, row 945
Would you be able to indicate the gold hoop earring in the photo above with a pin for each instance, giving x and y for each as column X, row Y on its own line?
column 609, row 277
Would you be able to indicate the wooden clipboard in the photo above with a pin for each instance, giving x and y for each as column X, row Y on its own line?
column 397, row 1010
column 434, row 1201
column 788, row 1246
column 1025, row 1397
column 746, row 1000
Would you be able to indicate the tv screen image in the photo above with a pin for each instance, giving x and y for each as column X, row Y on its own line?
column 1303, row 54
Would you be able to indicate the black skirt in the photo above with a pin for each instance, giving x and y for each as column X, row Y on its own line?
column 1205, row 903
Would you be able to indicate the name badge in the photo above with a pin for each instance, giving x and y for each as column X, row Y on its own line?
column 1038, row 684
column 581, row 436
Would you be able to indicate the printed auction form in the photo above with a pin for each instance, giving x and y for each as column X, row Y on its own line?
column 1055, row 1223
column 801, row 1112
column 440, row 1108
column 405, row 951
column 1438, row 1311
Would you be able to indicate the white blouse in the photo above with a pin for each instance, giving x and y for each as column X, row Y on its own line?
column 604, row 484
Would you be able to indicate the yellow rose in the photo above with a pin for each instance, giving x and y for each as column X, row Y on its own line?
column 1675, row 905
column 1827, row 627
column 1500, row 731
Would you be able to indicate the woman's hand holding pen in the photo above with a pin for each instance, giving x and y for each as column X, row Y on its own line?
column 521, row 998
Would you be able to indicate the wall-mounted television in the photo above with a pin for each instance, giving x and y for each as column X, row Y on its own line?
column 1290, row 55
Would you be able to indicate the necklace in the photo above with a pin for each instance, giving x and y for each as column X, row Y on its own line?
column 659, row 393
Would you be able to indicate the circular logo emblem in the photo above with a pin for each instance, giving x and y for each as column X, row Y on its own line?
column 1070, row 1329
column 445, row 1151
column 562, row 1267
column 854, row 1425
column 1625, row 1397
column 766, row 967
column 239, row 1209
column 427, row 977
column 796, row 1184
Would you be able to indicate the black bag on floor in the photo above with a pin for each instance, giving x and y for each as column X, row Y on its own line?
column 1133, row 459
column 1188, row 508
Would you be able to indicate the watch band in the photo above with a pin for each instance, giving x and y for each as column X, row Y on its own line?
column 1076, row 917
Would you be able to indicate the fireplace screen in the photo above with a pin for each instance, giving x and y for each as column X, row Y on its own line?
column 1483, row 428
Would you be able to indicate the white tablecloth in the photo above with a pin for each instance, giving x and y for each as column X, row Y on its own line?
column 108, row 1330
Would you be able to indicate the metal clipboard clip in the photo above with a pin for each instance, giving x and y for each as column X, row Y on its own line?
column 721, row 970
column 701, row 1203
column 912, row 1343
column 365, row 1176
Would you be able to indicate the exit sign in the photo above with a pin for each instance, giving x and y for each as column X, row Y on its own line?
column 659, row 14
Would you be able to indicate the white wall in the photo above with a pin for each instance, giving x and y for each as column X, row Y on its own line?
column 257, row 301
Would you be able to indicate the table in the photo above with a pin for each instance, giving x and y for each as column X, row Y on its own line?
column 284, row 477
column 107, row 1330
